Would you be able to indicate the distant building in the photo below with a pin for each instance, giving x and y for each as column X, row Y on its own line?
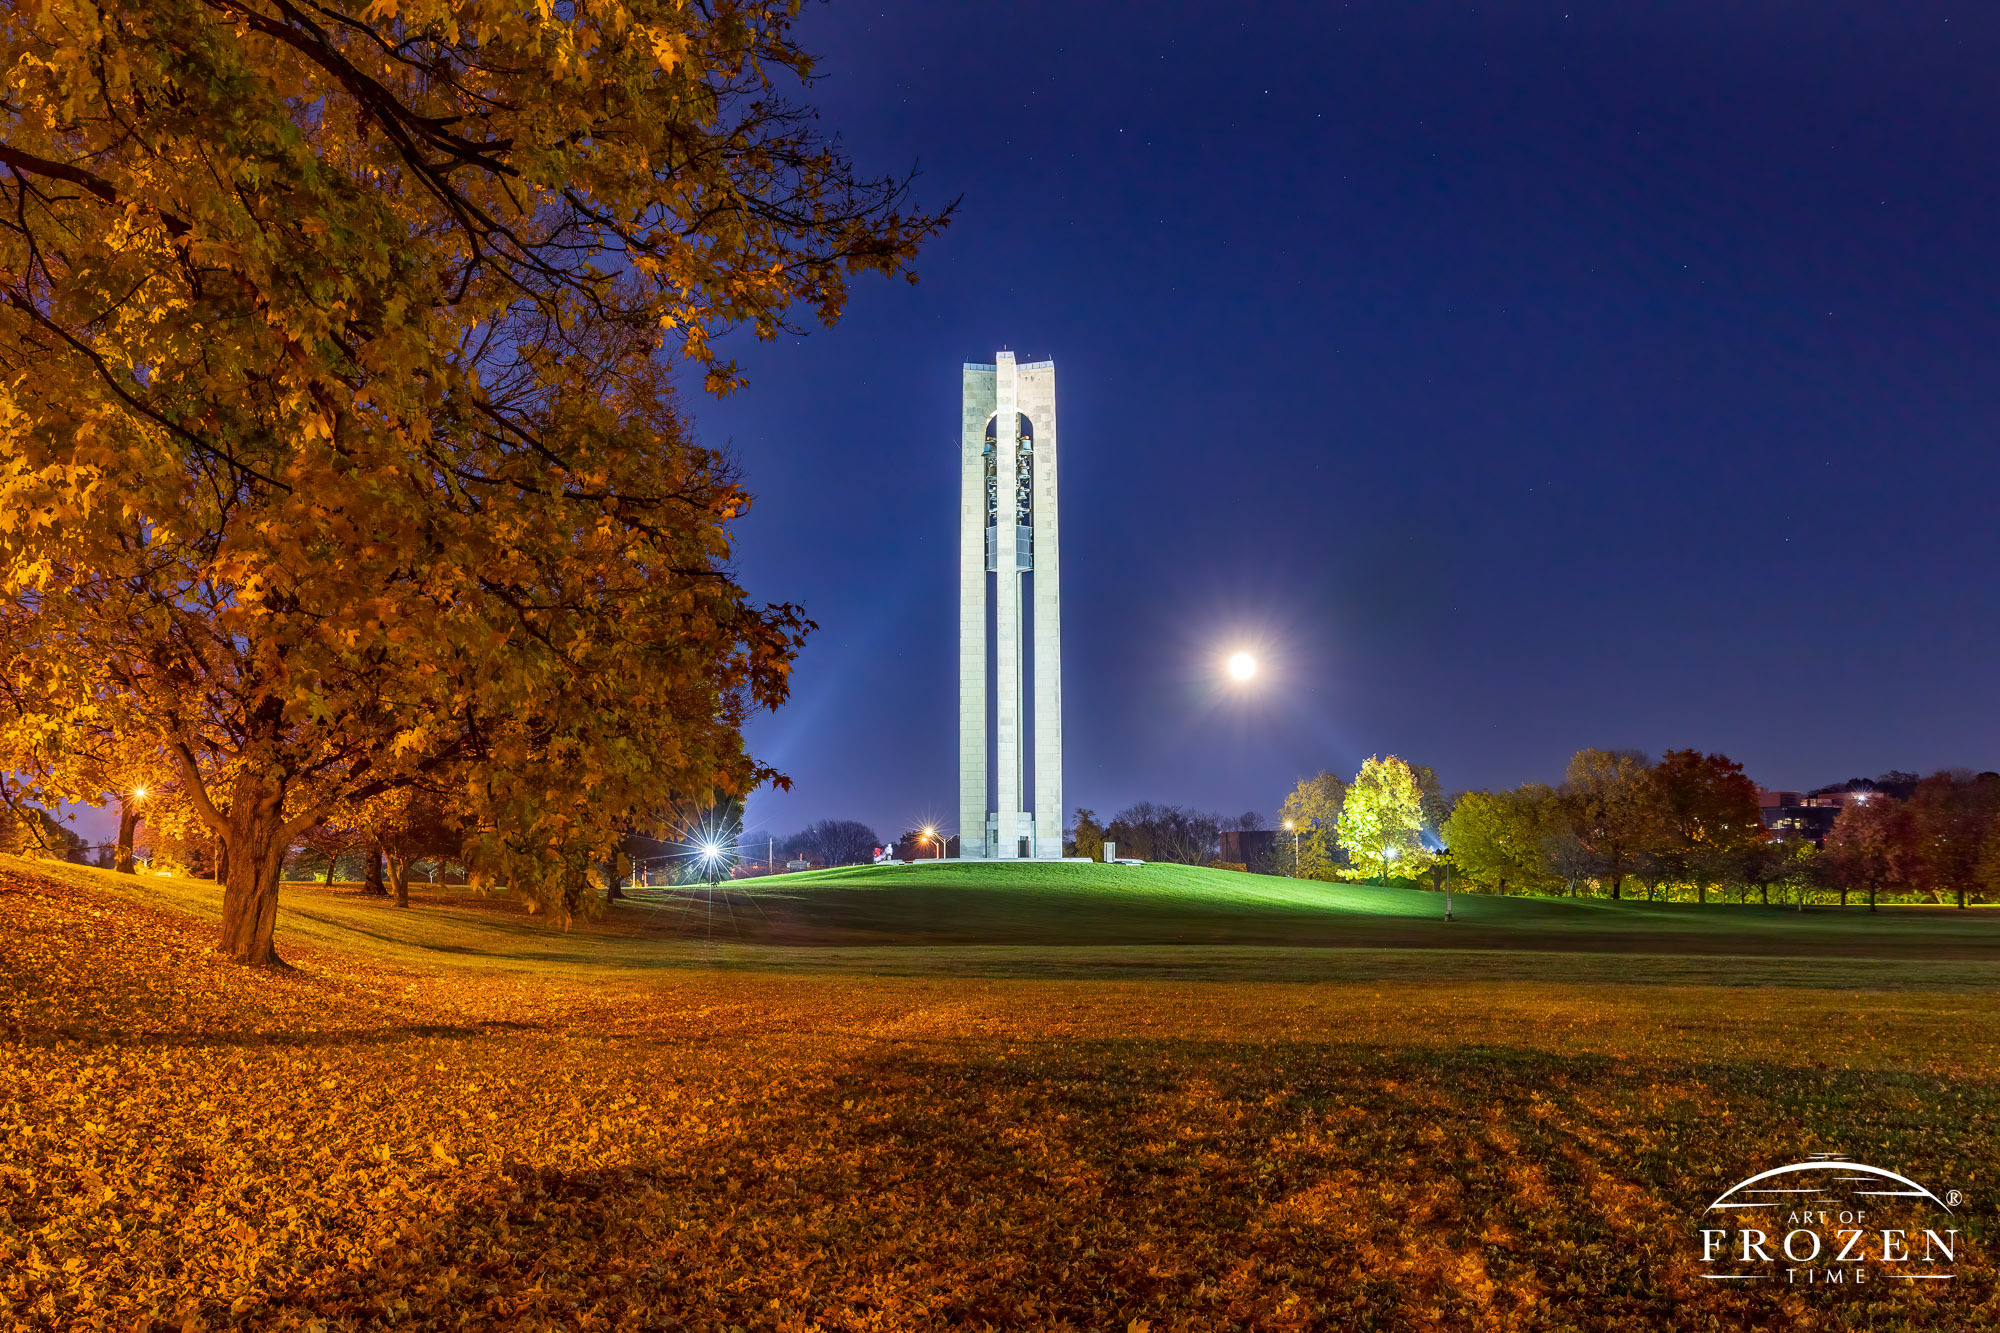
column 1810, row 814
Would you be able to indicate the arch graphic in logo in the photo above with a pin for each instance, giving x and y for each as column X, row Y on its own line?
column 1829, row 1222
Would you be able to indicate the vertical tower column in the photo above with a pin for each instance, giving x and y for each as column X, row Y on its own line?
column 1007, row 532
column 1038, row 401
column 972, row 805
column 1007, row 720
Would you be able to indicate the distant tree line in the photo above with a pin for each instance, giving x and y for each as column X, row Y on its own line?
column 1685, row 826
column 832, row 842
column 1149, row 832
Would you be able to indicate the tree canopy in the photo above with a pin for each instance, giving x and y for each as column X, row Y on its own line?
column 339, row 452
column 1312, row 813
column 1496, row 837
column 1381, row 821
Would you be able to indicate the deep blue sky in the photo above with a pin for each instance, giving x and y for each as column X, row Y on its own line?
column 1516, row 378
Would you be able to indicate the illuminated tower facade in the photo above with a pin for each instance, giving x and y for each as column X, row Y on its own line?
column 1009, row 615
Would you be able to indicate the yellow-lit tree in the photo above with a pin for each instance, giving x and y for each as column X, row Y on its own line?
column 1307, row 823
column 336, row 451
column 1382, row 820
column 1088, row 835
column 1496, row 837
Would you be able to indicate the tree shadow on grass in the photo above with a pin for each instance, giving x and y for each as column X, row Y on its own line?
column 1189, row 1184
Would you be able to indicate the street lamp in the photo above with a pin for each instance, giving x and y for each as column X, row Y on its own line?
column 126, row 861
column 930, row 835
column 1444, row 861
column 1295, row 847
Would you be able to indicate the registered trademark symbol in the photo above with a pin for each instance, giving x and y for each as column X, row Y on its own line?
column 1951, row 1199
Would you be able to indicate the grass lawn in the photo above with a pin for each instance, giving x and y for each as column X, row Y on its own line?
column 1073, row 903
column 455, row 1117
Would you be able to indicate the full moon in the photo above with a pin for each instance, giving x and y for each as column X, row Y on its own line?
column 1242, row 666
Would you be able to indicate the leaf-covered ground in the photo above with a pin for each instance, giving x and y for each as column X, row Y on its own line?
column 358, row 1145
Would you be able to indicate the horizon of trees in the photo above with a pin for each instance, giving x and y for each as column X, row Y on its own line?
column 832, row 842
column 1150, row 832
column 1619, row 824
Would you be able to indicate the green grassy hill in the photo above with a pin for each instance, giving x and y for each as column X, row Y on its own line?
column 1078, row 919
column 1081, row 904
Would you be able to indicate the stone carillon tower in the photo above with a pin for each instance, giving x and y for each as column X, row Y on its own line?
column 1009, row 615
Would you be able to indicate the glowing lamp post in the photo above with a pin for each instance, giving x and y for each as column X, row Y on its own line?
column 1295, row 847
column 930, row 835
column 128, row 823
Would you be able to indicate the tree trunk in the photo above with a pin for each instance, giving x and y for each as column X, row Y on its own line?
column 253, row 849
column 1617, row 886
column 1764, row 893
column 1701, row 891
column 331, row 862
column 399, row 875
column 372, row 882
column 221, row 861
column 1871, row 895
column 1503, row 884
column 1843, row 895
column 128, row 823
column 1961, row 895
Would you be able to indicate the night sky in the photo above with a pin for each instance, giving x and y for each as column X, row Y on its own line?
column 1511, row 378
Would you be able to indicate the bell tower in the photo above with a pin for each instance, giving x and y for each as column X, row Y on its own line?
column 1009, row 615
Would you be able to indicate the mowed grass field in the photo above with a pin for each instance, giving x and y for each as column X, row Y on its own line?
column 456, row 1117
column 1068, row 904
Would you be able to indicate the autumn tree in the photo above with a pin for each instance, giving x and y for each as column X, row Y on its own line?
column 1873, row 847
column 1702, row 817
column 1311, row 812
column 1495, row 837
column 1381, row 821
column 1564, row 857
column 1783, row 863
column 339, row 454
column 1952, row 814
column 1087, row 835
column 1989, row 859
column 410, row 826
column 325, row 843
column 1606, row 803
